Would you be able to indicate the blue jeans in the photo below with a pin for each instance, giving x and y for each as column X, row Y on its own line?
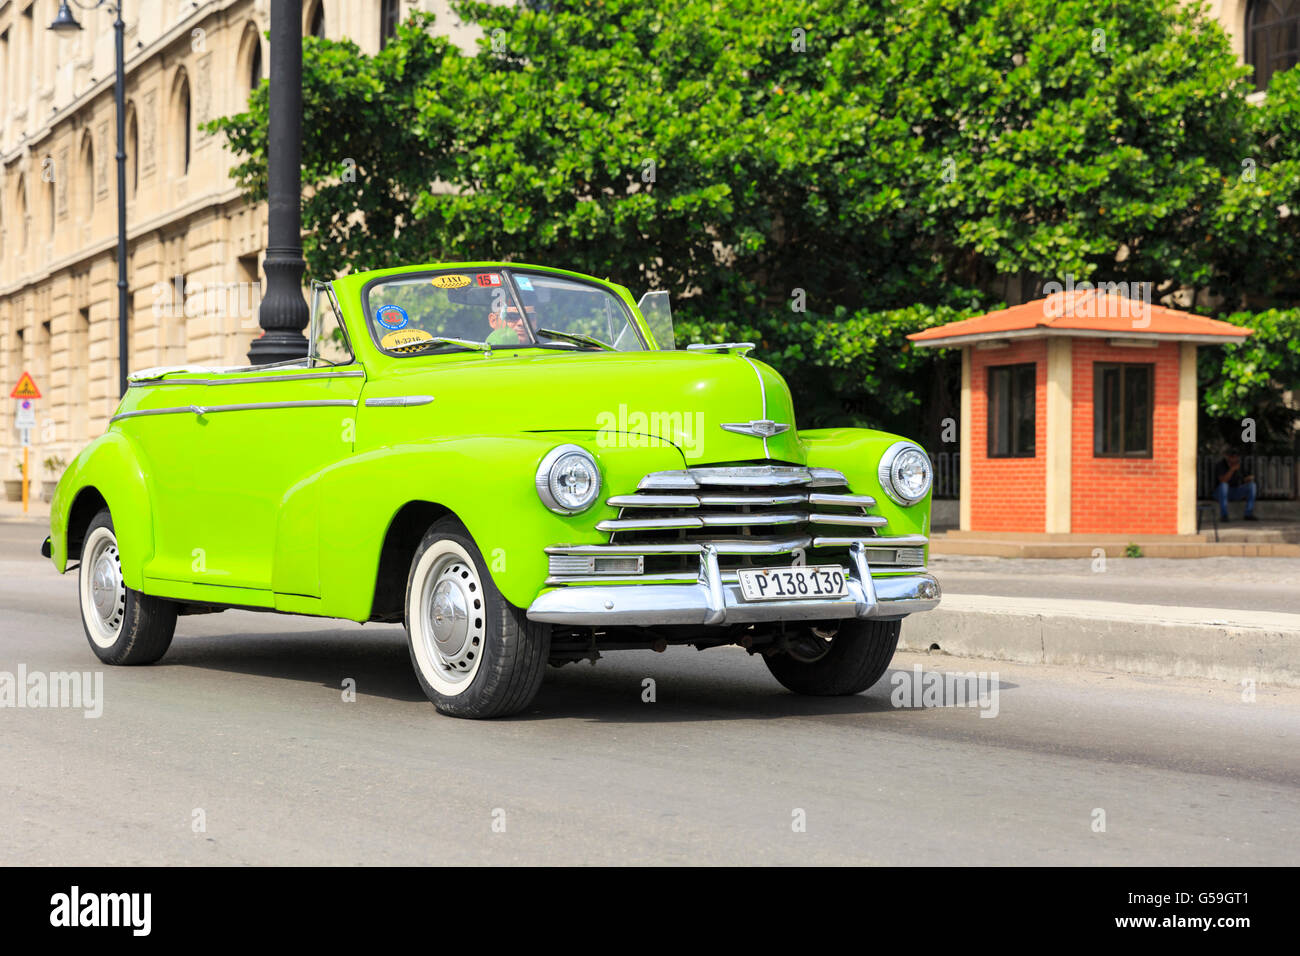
column 1223, row 494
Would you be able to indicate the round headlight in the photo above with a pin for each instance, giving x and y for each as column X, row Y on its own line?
column 568, row 480
column 905, row 473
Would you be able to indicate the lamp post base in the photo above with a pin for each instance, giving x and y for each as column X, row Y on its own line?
column 278, row 345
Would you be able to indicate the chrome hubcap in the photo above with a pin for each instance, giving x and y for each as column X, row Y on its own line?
column 105, row 589
column 105, row 584
column 453, row 618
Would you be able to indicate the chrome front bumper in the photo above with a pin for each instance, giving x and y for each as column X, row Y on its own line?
column 711, row 601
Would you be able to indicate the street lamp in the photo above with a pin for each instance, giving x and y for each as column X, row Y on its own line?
column 283, row 313
column 64, row 24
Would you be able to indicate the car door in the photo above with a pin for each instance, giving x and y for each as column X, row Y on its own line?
column 249, row 442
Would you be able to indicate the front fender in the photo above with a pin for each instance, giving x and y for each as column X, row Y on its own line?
column 856, row 452
column 114, row 467
column 486, row 481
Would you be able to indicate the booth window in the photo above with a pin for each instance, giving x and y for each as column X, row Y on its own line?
column 1122, row 410
column 1011, row 410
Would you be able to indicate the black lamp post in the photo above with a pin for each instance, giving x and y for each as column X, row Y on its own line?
column 65, row 23
column 283, row 313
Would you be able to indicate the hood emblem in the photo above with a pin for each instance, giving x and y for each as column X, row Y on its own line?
column 759, row 428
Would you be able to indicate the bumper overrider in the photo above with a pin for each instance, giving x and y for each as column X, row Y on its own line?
column 714, row 598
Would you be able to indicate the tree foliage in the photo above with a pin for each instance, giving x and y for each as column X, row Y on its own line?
column 821, row 177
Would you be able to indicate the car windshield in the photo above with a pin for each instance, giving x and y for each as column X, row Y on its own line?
column 414, row 313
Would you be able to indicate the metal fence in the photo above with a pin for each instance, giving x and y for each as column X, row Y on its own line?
column 947, row 474
column 1275, row 475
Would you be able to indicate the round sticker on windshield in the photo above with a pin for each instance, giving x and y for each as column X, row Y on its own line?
column 404, row 341
column 392, row 317
column 450, row 282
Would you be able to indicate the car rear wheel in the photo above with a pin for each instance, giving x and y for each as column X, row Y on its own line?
column 836, row 659
column 475, row 654
column 122, row 625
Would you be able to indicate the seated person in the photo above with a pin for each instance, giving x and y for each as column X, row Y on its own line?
column 508, row 329
column 1233, row 486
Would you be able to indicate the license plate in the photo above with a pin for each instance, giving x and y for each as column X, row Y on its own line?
column 792, row 584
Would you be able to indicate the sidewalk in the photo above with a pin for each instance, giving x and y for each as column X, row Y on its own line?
column 1264, row 539
column 36, row 511
column 1031, row 612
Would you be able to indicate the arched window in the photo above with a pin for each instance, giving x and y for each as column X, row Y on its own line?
column 316, row 20
column 255, row 67
column 132, row 152
column 88, row 177
column 50, row 177
column 182, row 117
column 21, row 202
column 1272, row 37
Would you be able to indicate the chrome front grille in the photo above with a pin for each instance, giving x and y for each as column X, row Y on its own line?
column 752, row 515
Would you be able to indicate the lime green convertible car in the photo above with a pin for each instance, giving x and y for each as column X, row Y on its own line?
column 516, row 463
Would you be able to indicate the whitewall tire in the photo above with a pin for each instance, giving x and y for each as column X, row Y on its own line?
column 123, row 626
column 474, row 653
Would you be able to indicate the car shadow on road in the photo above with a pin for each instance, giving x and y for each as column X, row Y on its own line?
column 718, row 687
column 618, row 695
column 378, row 661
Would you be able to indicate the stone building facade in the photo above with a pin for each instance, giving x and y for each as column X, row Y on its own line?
column 195, row 247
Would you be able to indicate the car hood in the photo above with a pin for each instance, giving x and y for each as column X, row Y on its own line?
column 681, row 397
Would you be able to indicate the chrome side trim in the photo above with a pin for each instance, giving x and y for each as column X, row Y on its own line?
column 398, row 401
column 251, row 380
column 249, row 407
column 719, row 346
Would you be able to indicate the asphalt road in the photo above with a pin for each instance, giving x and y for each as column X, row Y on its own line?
column 244, row 725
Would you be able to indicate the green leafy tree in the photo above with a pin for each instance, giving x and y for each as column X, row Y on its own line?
column 821, row 177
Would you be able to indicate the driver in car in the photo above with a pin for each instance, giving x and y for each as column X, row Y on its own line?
column 507, row 329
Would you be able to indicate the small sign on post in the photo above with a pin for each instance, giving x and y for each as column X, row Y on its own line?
column 25, row 420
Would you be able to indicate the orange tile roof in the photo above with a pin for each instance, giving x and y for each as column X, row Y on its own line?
column 1084, row 310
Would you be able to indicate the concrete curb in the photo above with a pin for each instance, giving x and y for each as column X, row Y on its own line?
column 1142, row 639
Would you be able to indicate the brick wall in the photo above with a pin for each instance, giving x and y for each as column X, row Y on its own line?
column 1125, row 495
column 1008, row 494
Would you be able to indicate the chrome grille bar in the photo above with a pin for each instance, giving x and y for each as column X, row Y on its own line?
column 859, row 521
column 756, row 476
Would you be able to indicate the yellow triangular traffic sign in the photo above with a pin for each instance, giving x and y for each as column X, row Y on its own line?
column 26, row 388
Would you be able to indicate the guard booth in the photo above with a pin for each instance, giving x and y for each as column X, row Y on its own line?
column 1078, row 414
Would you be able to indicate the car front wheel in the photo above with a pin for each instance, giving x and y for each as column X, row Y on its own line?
column 122, row 625
column 835, row 659
column 475, row 654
